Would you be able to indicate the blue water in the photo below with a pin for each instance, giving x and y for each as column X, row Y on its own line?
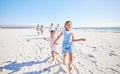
column 99, row 29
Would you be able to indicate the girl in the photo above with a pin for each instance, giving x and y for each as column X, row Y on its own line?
column 51, row 39
column 67, row 45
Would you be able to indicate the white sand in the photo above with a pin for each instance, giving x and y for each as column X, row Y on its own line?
column 23, row 51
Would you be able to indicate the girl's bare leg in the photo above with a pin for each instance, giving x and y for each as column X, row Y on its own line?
column 70, row 61
column 56, row 53
column 64, row 56
column 52, row 55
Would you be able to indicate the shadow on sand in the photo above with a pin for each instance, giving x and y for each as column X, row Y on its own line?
column 47, row 69
column 14, row 66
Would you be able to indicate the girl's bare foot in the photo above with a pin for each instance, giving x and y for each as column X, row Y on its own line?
column 70, row 68
column 64, row 62
column 52, row 60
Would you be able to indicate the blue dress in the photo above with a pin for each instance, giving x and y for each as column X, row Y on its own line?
column 67, row 45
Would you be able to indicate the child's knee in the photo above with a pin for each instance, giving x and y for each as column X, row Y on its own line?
column 64, row 55
column 70, row 57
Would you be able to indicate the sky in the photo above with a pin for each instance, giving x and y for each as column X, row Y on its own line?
column 82, row 13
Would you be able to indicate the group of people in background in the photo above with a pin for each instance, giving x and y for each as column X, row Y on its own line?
column 40, row 29
column 67, row 44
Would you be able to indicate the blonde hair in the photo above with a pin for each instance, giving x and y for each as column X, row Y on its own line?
column 66, row 23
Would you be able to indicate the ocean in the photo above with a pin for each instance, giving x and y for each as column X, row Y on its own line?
column 87, row 29
column 99, row 29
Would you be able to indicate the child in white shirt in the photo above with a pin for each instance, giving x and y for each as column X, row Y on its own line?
column 51, row 39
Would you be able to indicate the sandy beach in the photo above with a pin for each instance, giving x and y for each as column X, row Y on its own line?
column 22, row 51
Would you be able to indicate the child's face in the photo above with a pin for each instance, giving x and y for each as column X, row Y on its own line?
column 52, row 34
column 68, row 26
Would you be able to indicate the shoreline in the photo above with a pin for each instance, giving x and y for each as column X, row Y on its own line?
column 78, row 29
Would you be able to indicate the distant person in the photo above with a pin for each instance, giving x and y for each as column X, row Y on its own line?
column 57, row 29
column 37, row 29
column 51, row 27
column 51, row 39
column 41, row 29
column 67, row 45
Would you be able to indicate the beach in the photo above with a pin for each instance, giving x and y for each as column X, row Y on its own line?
column 22, row 51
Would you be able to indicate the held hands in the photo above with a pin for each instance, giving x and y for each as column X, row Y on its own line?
column 55, row 43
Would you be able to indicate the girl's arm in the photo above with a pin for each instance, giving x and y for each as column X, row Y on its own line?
column 58, row 37
column 74, row 40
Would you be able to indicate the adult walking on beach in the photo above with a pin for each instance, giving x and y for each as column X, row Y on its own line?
column 67, row 45
column 57, row 29
column 41, row 29
column 51, row 27
column 37, row 29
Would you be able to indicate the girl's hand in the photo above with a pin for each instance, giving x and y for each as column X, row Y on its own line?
column 54, row 43
column 83, row 39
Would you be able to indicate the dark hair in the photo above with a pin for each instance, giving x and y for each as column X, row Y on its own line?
column 52, row 31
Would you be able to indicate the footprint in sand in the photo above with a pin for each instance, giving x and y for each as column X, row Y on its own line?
column 91, row 72
column 112, row 54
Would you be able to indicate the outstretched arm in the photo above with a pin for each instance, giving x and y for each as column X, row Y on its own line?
column 75, row 40
column 58, row 37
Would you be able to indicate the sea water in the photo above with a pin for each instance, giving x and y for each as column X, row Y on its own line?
column 99, row 29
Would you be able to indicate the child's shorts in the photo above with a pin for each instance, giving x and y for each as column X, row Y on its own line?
column 54, row 48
